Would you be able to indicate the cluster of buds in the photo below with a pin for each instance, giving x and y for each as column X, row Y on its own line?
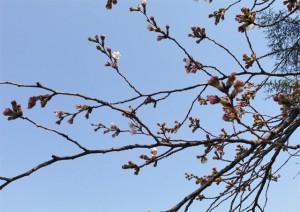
column 194, row 123
column 202, row 100
column 191, row 66
column 224, row 134
column 291, row 4
column 129, row 114
column 153, row 156
column 82, row 107
column 247, row 18
column 199, row 180
column 114, row 128
column 246, row 97
column 258, row 122
column 218, row 15
column 164, row 129
column 132, row 127
column 213, row 173
column 231, row 112
column 219, row 152
column 152, row 26
column 110, row 3
column 42, row 98
column 287, row 100
column 113, row 56
column 198, row 32
column 131, row 165
column 150, row 100
column 224, row 88
column 62, row 115
column 249, row 60
column 139, row 7
column 14, row 112
column 239, row 150
column 97, row 40
column 202, row 158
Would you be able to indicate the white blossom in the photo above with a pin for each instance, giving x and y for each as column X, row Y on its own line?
column 116, row 55
column 154, row 152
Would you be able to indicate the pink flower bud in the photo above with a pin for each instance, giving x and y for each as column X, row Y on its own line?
column 7, row 112
column 214, row 81
column 213, row 99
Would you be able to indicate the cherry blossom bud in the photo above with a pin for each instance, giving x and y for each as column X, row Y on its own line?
column 58, row 113
column 7, row 112
column 214, row 81
column 213, row 99
column 31, row 102
column 238, row 84
column 107, row 64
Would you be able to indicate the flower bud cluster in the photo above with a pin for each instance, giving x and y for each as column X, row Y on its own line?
column 139, row 7
column 110, row 3
column 113, row 128
column 152, row 26
column 113, row 56
column 198, row 32
column 164, row 129
column 194, row 123
column 132, row 127
column 62, row 115
column 218, row 15
column 240, row 150
column 14, row 112
column 249, row 60
column 291, row 4
column 247, row 18
column 202, row 158
column 42, row 98
column 202, row 100
column 131, row 165
column 288, row 100
column 191, row 66
column 258, row 122
column 231, row 112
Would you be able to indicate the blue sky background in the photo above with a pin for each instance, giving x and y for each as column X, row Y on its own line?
column 46, row 41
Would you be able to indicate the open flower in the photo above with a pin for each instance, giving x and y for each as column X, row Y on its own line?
column 116, row 55
column 154, row 152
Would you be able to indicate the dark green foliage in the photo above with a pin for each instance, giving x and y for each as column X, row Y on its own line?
column 284, row 40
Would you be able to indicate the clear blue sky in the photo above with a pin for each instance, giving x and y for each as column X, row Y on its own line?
column 46, row 41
